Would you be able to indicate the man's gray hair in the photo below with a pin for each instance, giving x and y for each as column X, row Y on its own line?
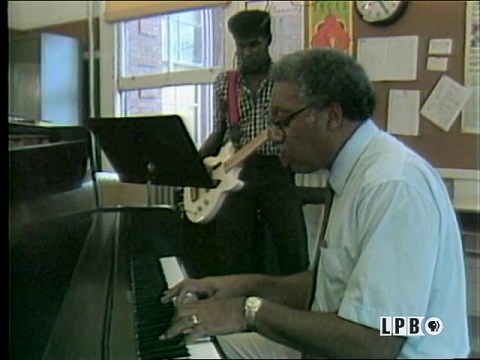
column 327, row 76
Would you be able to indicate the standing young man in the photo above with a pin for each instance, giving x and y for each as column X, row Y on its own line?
column 269, row 189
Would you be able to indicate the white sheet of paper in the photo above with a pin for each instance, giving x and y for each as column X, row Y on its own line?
column 471, row 77
column 287, row 25
column 372, row 55
column 402, row 58
column 437, row 63
column 440, row 46
column 445, row 102
column 389, row 58
column 403, row 112
column 466, row 194
column 471, row 120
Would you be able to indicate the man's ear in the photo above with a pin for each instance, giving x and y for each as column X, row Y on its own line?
column 334, row 116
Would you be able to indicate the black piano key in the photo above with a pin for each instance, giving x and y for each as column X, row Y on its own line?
column 152, row 318
column 151, row 332
column 144, row 324
column 153, row 309
column 169, row 354
column 152, row 346
column 177, row 340
column 151, row 302
column 148, row 320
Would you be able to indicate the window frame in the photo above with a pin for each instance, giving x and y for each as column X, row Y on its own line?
column 181, row 77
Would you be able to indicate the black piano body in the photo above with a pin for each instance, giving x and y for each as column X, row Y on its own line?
column 70, row 286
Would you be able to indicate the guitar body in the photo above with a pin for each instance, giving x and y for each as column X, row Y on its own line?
column 202, row 205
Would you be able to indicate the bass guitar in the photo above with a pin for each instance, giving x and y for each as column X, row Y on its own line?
column 202, row 205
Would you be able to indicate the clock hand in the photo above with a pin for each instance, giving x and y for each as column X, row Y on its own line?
column 383, row 6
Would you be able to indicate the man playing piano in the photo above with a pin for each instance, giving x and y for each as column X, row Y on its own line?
column 392, row 245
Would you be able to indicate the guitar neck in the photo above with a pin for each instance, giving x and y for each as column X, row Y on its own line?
column 247, row 150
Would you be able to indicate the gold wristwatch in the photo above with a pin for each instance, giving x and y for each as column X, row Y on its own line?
column 251, row 306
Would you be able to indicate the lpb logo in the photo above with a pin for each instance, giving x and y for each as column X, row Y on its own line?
column 409, row 326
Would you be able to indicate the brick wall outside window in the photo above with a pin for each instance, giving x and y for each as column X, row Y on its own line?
column 191, row 40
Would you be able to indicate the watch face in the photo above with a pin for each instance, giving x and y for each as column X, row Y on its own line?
column 380, row 12
column 253, row 303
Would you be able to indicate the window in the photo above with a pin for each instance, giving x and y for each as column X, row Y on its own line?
column 192, row 102
column 189, row 44
column 180, row 41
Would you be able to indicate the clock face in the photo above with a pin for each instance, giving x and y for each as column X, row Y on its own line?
column 380, row 12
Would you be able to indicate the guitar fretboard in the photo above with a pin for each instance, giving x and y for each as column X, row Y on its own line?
column 246, row 151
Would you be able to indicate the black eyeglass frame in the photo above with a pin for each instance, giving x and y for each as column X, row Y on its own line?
column 286, row 120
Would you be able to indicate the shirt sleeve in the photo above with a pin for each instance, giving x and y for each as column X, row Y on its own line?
column 399, row 231
column 219, row 89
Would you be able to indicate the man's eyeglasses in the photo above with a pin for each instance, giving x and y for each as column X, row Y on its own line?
column 286, row 120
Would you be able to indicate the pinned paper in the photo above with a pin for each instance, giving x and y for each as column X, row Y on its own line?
column 389, row 58
column 440, row 46
column 403, row 112
column 445, row 102
column 437, row 63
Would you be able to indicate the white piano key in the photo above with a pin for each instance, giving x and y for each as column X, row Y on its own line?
column 172, row 270
column 174, row 273
column 203, row 350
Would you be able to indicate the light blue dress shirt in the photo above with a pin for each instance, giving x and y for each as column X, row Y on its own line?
column 393, row 244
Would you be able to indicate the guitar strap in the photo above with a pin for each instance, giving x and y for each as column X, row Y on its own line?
column 232, row 103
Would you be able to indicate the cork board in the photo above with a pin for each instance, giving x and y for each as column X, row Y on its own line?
column 428, row 20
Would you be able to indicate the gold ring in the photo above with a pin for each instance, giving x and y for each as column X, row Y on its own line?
column 195, row 320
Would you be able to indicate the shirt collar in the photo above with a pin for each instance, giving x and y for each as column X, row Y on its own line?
column 350, row 153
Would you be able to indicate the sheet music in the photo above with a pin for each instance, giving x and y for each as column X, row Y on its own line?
column 287, row 25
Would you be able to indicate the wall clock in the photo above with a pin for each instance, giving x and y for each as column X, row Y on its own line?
column 380, row 13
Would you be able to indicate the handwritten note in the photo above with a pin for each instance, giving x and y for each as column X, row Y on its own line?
column 403, row 112
column 389, row 58
column 445, row 102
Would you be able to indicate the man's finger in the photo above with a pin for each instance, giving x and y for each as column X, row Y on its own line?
column 182, row 325
column 186, row 295
column 169, row 294
column 196, row 333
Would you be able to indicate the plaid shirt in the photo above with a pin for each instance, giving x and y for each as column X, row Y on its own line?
column 254, row 111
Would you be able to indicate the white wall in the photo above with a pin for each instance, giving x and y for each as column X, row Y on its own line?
column 24, row 15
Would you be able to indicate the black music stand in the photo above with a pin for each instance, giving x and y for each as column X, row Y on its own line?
column 155, row 150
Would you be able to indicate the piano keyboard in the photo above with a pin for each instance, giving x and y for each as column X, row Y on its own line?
column 150, row 277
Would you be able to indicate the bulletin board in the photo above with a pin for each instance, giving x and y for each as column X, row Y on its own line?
column 428, row 20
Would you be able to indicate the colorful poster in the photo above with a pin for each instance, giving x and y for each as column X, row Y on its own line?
column 330, row 24
column 471, row 112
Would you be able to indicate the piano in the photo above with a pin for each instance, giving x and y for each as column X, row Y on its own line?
column 85, row 279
